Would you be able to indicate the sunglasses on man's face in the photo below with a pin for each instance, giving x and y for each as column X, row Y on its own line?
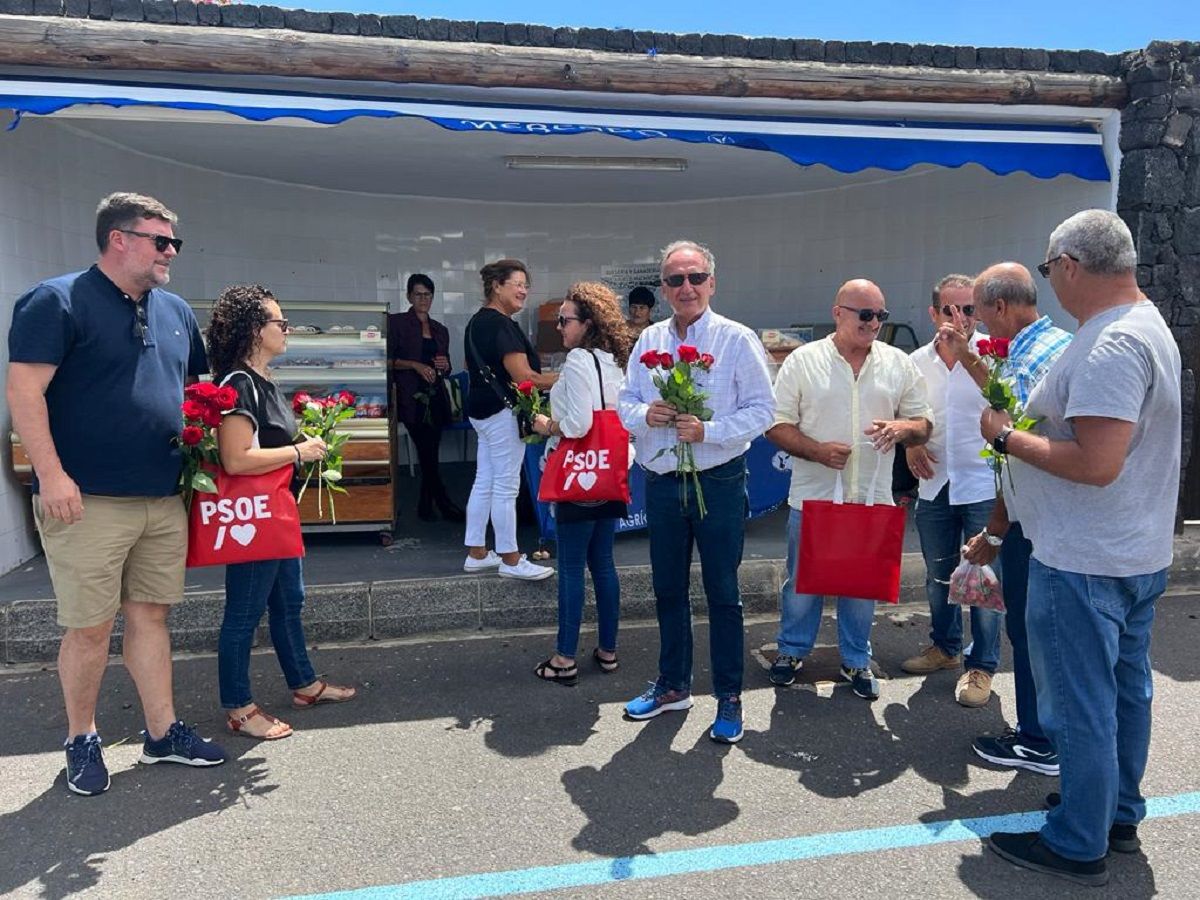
column 968, row 309
column 161, row 241
column 1044, row 268
column 695, row 279
column 866, row 315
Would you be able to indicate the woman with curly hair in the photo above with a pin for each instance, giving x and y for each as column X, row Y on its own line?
column 247, row 330
column 598, row 343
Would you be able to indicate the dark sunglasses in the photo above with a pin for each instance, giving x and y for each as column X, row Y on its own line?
column 695, row 279
column 161, row 241
column 282, row 323
column 141, row 325
column 866, row 315
column 968, row 309
column 1044, row 268
column 563, row 320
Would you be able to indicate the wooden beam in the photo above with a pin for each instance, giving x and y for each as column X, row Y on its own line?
column 99, row 45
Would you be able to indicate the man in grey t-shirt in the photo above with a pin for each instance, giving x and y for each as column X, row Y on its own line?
column 1099, row 482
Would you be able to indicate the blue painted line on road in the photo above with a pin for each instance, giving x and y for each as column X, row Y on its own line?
column 729, row 856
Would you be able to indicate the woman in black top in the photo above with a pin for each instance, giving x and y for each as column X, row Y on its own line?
column 499, row 355
column 258, row 435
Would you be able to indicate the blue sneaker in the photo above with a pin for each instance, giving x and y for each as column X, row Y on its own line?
column 862, row 681
column 659, row 699
column 86, row 773
column 727, row 729
column 182, row 745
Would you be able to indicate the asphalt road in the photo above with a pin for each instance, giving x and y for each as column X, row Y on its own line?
column 455, row 763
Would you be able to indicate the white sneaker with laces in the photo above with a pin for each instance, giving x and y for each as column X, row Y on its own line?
column 473, row 565
column 525, row 570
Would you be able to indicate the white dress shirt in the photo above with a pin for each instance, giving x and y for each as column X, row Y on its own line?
column 738, row 387
column 576, row 394
column 955, row 442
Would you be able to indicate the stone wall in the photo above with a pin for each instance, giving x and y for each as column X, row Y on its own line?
column 1159, row 198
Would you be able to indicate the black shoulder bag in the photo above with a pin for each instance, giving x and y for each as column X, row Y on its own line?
column 524, row 423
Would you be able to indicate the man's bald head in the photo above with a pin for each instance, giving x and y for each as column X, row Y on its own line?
column 1007, row 281
column 860, row 292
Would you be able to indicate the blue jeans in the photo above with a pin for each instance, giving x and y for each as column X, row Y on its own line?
column 943, row 528
column 590, row 544
column 276, row 585
column 1014, row 565
column 719, row 536
column 1089, row 642
column 800, row 614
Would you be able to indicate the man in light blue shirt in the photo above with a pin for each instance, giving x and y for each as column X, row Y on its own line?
column 738, row 385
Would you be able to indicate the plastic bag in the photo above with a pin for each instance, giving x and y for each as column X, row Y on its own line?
column 972, row 585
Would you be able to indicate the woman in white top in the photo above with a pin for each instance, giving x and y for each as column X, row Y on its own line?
column 594, row 332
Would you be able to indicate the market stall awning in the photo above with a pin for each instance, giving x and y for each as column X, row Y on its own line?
column 846, row 145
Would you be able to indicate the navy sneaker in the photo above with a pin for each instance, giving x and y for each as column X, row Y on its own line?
column 86, row 773
column 656, row 701
column 784, row 669
column 182, row 745
column 1122, row 836
column 1027, row 851
column 727, row 729
column 863, row 682
column 1009, row 749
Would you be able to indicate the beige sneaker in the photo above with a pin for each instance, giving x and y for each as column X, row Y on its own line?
column 974, row 688
column 931, row 659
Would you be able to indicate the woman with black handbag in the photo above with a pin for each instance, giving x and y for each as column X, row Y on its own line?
column 598, row 341
column 498, row 356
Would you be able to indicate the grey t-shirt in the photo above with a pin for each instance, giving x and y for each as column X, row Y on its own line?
column 1123, row 364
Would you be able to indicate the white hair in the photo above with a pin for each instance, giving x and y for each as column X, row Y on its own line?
column 1098, row 239
column 677, row 246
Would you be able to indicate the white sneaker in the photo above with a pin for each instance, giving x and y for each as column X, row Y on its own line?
column 473, row 565
column 525, row 570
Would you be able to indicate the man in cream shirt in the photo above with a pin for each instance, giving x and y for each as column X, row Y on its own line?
column 956, row 497
column 842, row 404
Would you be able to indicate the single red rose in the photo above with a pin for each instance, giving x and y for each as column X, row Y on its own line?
column 649, row 359
column 192, row 435
column 212, row 417
column 299, row 399
column 665, row 360
column 201, row 390
column 688, row 353
column 526, row 388
column 1000, row 348
column 706, row 360
column 193, row 409
column 346, row 398
column 984, row 347
column 226, row 398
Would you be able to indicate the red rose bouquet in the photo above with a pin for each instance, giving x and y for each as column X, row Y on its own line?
column 998, row 392
column 319, row 417
column 530, row 404
column 676, row 385
column 203, row 405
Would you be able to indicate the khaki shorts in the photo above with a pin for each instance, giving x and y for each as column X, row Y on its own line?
column 124, row 549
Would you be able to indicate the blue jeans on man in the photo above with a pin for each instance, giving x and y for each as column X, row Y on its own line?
column 1090, row 650
column 944, row 528
column 800, row 614
column 1014, row 565
column 674, row 530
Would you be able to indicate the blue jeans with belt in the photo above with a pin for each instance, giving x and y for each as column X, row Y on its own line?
column 674, row 530
column 590, row 544
column 1089, row 642
column 277, row 587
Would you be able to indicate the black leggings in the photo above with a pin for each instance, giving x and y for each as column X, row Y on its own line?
column 427, row 439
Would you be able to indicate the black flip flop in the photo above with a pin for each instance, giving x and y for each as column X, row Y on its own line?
column 549, row 672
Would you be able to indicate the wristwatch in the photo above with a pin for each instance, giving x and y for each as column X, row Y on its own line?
column 1000, row 441
column 991, row 538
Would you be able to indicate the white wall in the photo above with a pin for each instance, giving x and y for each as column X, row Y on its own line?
column 780, row 259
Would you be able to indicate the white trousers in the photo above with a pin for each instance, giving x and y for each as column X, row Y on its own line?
column 497, row 482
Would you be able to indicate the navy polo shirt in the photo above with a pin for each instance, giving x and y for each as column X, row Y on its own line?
column 114, row 398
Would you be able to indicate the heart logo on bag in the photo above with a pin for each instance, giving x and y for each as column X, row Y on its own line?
column 243, row 534
column 587, row 480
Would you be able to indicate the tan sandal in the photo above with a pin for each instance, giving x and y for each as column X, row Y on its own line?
column 237, row 725
column 305, row 701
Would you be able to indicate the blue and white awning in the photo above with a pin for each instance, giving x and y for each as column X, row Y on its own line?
column 847, row 145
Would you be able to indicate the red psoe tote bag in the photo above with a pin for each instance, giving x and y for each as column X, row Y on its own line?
column 591, row 468
column 250, row 518
column 851, row 549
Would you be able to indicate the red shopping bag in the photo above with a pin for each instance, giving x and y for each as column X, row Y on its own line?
column 850, row 549
column 250, row 518
column 594, row 467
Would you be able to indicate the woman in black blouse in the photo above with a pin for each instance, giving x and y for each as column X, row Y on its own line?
column 247, row 330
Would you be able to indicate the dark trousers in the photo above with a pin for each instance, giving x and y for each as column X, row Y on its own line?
column 427, row 439
column 1014, row 568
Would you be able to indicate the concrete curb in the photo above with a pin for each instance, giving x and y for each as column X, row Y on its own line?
column 381, row 610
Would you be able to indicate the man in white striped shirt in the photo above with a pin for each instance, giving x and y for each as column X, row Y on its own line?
column 738, row 385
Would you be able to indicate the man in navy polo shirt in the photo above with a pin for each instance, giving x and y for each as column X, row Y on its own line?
column 98, row 362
